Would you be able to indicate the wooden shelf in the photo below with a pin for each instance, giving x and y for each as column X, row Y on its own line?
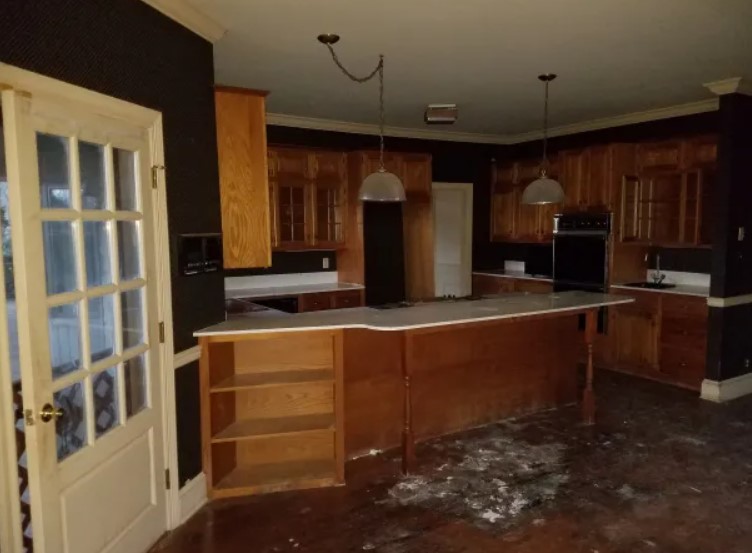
column 246, row 429
column 276, row 477
column 267, row 379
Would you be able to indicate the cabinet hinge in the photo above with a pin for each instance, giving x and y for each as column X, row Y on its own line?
column 161, row 333
column 168, row 482
column 155, row 174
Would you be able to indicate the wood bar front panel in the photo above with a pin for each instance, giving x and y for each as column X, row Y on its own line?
column 471, row 375
column 374, row 390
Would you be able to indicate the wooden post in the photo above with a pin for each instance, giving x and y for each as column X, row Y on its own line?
column 588, row 395
column 408, row 439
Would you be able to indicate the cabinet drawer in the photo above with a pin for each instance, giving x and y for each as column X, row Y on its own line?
column 315, row 302
column 644, row 301
column 685, row 332
column 342, row 300
column 678, row 306
column 533, row 286
column 683, row 366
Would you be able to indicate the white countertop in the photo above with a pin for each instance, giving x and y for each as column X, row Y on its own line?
column 503, row 306
column 681, row 289
column 294, row 290
column 501, row 273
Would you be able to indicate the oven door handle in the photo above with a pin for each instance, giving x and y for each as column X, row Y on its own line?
column 575, row 233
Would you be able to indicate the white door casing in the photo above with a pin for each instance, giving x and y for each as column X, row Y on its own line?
column 453, row 236
column 107, row 493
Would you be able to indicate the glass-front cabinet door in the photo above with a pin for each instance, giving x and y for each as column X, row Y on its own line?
column 328, row 208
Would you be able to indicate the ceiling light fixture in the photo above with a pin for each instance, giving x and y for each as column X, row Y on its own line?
column 544, row 190
column 381, row 186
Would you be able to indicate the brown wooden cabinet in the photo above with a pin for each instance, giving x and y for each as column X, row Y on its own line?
column 662, row 336
column 321, row 301
column 511, row 220
column 243, row 181
column 308, row 198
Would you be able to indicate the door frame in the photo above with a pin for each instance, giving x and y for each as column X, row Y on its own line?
column 62, row 93
column 467, row 257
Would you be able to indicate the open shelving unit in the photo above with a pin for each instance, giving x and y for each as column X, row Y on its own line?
column 271, row 412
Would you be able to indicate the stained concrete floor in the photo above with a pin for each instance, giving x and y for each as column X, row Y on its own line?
column 661, row 471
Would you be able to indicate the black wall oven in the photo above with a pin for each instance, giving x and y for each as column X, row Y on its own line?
column 581, row 244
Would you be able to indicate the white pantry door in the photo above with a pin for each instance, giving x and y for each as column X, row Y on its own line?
column 82, row 234
column 453, row 237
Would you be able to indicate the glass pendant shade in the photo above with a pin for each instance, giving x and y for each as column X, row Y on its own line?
column 382, row 186
column 543, row 190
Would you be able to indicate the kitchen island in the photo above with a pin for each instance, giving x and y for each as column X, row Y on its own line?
column 285, row 400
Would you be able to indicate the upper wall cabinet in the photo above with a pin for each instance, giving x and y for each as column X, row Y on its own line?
column 668, row 202
column 308, row 198
column 243, row 184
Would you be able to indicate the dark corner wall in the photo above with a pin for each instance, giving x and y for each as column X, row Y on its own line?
column 126, row 49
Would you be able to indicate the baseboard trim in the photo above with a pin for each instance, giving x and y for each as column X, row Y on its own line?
column 731, row 301
column 726, row 390
column 182, row 358
column 192, row 497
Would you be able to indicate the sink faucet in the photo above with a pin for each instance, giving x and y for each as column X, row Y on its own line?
column 657, row 276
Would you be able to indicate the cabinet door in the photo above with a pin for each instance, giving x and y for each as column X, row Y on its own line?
column 596, row 193
column 291, row 213
column 292, row 162
column 417, row 176
column 527, row 221
column 503, row 211
column 701, row 152
column 574, row 173
column 662, row 208
column 546, row 212
column 329, row 208
column 636, row 343
column 665, row 155
column 629, row 227
column 329, row 165
column 243, row 179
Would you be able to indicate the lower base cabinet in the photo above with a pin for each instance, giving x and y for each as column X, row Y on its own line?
column 662, row 336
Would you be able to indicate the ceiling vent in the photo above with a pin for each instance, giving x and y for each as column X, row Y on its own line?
column 441, row 114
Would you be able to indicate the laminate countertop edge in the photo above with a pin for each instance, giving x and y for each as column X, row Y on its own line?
column 680, row 290
column 520, row 276
column 505, row 306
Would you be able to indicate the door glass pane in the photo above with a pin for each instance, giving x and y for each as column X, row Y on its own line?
column 59, row 257
column 65, row 339
column 128, row 250
column 133, row 318
column 135, row 385
column 97, row 253
column 93, row 188
column 102, row 327
column 54, row 172
column 71, row 427
column 106, row 413
column 126, row 198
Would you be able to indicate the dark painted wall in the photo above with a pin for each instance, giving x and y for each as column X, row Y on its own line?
column 729, row 345
column 126, row 49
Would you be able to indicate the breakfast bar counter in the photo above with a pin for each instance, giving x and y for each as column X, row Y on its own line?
column 286, row 400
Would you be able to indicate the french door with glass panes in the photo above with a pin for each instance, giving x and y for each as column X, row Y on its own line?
column 82, row 233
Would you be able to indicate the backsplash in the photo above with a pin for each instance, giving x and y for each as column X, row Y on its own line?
column 284, row 263
column 273, row 281
column 688, row 260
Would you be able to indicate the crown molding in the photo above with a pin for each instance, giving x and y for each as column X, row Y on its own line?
column 189, row 17
column 334, row 125
column 736, row 85
column 478, row 138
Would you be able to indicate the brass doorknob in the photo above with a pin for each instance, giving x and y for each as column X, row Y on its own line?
column 50, row 412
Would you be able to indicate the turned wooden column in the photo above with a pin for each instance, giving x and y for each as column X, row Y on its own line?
column 588, row 395
column 408, row 439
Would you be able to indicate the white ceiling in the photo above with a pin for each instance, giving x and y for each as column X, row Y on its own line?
column 613, row 57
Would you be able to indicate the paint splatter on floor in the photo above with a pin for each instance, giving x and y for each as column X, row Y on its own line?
column 489, row 479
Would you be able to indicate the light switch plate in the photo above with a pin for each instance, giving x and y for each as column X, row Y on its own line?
column 325, row 263
column 740, row 234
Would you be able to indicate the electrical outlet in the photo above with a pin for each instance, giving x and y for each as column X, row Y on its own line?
column 325, row 262
column 746, row 363
column 740, row 234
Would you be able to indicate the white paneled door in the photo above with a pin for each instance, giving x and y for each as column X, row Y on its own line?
column 453, row 235
column 86, row 299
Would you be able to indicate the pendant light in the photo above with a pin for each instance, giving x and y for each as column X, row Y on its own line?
column 544, row 190
column 380, row 186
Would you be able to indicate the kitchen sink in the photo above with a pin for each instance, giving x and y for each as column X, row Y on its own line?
column 651, row 285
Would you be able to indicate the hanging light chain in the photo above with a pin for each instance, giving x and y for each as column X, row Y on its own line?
column 544, row 166
column 379, row 70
